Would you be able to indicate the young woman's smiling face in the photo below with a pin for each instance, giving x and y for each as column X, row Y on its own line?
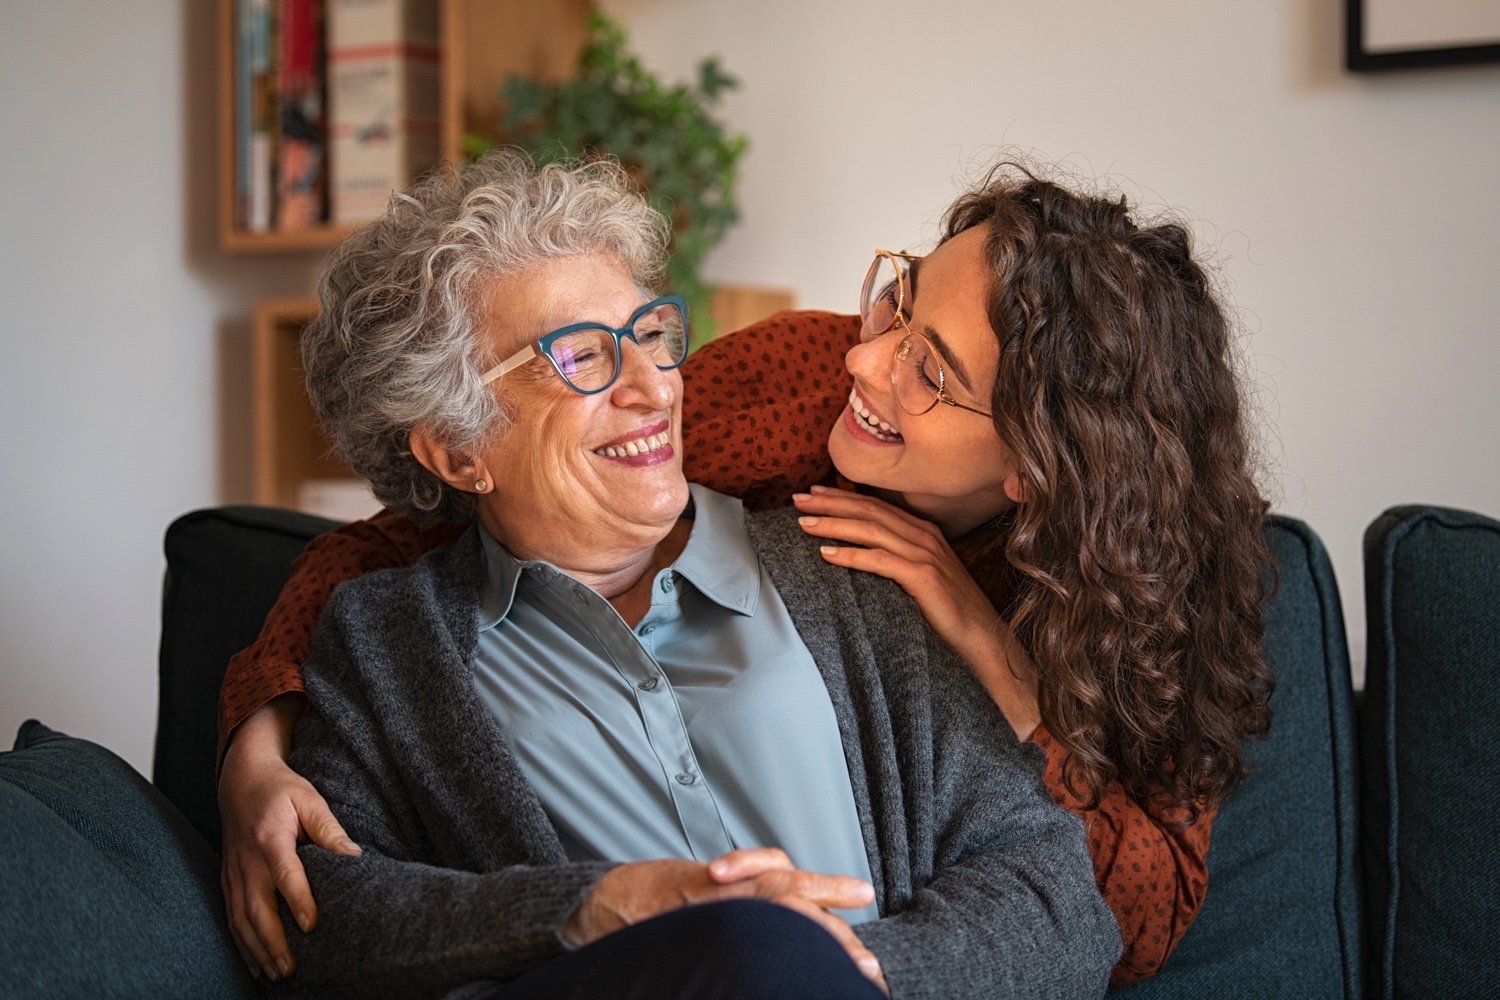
column 948, row 464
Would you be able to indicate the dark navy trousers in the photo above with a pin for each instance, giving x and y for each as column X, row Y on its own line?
column 735, row 950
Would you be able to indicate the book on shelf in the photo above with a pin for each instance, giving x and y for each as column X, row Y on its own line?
column 300, row 170
column 255, row 106
column 280, row 125
column 383, row 68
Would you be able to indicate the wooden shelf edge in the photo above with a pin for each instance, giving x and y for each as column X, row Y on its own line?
column 277, row 241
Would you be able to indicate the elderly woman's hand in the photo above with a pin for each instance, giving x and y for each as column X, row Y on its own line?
column 266, row 808
column 902, row 547
column 636, row 891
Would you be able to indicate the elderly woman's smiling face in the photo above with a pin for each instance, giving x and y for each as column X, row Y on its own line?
column 565, row 486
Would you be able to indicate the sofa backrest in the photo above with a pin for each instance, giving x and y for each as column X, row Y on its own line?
column 1282, row 915
column 1430, row 730
column 225, row 566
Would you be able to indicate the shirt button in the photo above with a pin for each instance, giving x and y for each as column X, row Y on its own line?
column 648, row 629
column 666, row 585
column 686, row 779
column 649, row 684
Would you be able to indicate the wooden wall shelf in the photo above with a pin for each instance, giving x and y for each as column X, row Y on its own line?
column 483, row 41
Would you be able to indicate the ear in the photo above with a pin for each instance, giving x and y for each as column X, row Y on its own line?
column 454, row 468
column 1013, row 488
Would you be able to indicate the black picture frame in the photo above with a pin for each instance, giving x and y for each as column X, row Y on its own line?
column 1358, row 59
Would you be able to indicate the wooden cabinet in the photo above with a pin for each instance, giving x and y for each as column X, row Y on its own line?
column 483, row 41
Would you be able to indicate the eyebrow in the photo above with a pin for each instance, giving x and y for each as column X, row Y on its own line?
column 950, row 360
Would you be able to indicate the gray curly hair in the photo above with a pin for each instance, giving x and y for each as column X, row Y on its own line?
column 398, row 341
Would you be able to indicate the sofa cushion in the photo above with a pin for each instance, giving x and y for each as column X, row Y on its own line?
column 225, row 567
column 1431, row 727
column 108, row 890
column 1282, row 914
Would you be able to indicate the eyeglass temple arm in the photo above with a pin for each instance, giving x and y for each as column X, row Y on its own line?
column 516, row 360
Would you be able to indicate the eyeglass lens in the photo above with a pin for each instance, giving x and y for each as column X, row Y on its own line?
column 588, row 358
column 916, row 376
column 882, row 297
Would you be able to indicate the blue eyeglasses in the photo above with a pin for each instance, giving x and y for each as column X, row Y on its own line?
column 587, row 355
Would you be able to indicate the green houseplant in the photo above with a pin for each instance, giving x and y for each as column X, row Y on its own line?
column 666, row 136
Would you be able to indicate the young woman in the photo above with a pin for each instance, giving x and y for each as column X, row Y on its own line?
column 1049, row 451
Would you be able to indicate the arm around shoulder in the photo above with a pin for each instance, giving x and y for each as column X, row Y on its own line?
column 271, row 666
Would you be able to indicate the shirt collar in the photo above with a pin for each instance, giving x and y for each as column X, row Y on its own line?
column 502, row 574
column 718, row 560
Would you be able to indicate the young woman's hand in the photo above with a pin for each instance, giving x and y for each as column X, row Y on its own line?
column 266, row 808
column 890, row 542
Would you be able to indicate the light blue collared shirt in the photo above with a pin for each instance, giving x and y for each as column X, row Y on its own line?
column 705, row 729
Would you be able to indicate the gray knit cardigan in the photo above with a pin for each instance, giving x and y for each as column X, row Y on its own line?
column 983, row 884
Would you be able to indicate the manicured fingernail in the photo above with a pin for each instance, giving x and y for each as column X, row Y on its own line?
column 284, row 966
column 819, row 489
column 801, row 496
column 828, row 550
column 807, row 521
column 351, row 846
column 869, row 966
column 303, row 920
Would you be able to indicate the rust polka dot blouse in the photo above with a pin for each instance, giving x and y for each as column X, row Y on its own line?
column 757, row 409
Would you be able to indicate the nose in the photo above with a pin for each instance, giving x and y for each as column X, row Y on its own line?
column 870, row 360
column 641, row 383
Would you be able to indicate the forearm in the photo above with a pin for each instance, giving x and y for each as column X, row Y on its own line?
column 1002, row 666
column 272, row 666
column 401, row 928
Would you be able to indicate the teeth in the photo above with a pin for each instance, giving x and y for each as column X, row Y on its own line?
column 873, row 424
column 641, row 446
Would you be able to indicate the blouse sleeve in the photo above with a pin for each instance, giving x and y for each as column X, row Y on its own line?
column 272, row 665
column 758, row 406
column 1152, row 874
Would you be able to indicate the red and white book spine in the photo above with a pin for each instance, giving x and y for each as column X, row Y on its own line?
column 383, row 64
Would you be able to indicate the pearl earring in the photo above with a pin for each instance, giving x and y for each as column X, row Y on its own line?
column 481, row 486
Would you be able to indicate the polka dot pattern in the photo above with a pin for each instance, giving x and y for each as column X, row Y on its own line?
column 756, row 414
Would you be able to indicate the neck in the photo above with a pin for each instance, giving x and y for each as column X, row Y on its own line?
column 621, row 572
column 954, row 517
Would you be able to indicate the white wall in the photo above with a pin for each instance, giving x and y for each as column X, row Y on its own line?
column 1353, row 217
column 1356, row 219
column 124, row 345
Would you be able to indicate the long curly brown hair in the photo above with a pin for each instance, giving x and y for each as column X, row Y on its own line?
column 1137, row 564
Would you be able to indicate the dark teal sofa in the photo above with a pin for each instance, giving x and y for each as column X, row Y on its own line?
column 1318, row 887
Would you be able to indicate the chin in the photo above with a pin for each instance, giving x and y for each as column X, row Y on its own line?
column 670, row 500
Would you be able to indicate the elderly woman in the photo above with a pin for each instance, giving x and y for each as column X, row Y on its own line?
column 616, row 695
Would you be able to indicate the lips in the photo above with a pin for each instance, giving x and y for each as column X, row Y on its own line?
column 869, row 421
column 647, row 442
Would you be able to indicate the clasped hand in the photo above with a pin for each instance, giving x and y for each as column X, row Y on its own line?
column 638, row 890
